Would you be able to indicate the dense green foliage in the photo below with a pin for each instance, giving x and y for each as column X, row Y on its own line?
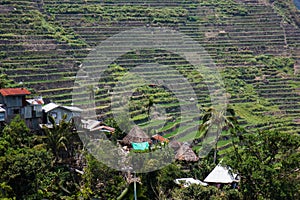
column 23, row 161
column 266, row 161
column 43, row 44
column 60, row 137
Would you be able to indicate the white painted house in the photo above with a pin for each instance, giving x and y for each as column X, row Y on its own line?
column 58, row 111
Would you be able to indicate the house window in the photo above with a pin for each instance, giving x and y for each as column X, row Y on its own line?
column 16, row 111
column 53, row 114
column 2, row 117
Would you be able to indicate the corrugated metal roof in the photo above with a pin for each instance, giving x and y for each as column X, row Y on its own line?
column 35, row 101
column 90, row 124
column 160, row 138
column 50, row 106
column 14, row 91
column 103, row 128
column 72, row 108
column 189, row 181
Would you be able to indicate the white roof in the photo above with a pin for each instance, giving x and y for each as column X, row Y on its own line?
column 90, row 124
column 50, row 106
column 2, row 109
column 189, row 181
column 94, row 125
column 72, row 108
column 220, row 174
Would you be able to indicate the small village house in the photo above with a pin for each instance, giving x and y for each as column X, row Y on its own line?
column 58, row 111
column 186, row 153
column 136, row 135
column 13, row 101
column 33, row 112
column 95, row 125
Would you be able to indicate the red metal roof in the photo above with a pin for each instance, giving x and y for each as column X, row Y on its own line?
column 14, row 91
column 160, row 138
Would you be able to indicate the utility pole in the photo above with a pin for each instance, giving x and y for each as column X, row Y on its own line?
column 133, row 179
column 134, row 186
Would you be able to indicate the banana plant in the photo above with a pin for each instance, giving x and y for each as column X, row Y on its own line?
column 57, row 136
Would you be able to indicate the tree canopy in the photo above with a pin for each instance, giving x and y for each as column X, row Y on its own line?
column 268, row 163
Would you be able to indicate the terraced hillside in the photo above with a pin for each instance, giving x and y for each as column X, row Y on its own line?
column 255, row 43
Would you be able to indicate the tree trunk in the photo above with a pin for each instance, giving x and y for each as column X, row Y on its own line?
column 215, row 151
column 215, row 156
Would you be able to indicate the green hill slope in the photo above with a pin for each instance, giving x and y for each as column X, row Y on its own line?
column 254, row 42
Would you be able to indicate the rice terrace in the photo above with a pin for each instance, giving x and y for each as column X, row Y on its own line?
column 174, row 99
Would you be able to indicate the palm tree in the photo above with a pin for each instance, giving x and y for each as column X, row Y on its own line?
column 57, row 136
column 215, row 121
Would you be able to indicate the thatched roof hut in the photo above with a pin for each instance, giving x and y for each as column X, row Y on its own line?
column 175, row 145
column 136, row 134
column 186, row 153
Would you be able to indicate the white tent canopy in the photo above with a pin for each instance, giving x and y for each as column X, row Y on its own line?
column 221, row 174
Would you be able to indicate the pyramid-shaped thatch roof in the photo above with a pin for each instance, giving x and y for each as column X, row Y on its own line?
column 136, row 134
column 175, row 145
column 186, row 153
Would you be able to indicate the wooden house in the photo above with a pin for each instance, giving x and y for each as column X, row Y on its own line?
column 13, row 101
column 33, row 112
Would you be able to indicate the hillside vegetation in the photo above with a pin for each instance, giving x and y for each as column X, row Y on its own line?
column 255, row 43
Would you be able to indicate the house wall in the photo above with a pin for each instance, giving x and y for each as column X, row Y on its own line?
column 13, row 106
column 37, row 111
column 58, row 114
column 33, row 116
column 28, row 112
column 33, row 111
column 17, row 105
column 13, row 101
column 1, row 99
column 33, row 123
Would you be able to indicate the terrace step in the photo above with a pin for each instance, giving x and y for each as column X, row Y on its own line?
column 50, row 62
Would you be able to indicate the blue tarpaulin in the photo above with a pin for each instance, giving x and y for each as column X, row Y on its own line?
column 140, row 146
